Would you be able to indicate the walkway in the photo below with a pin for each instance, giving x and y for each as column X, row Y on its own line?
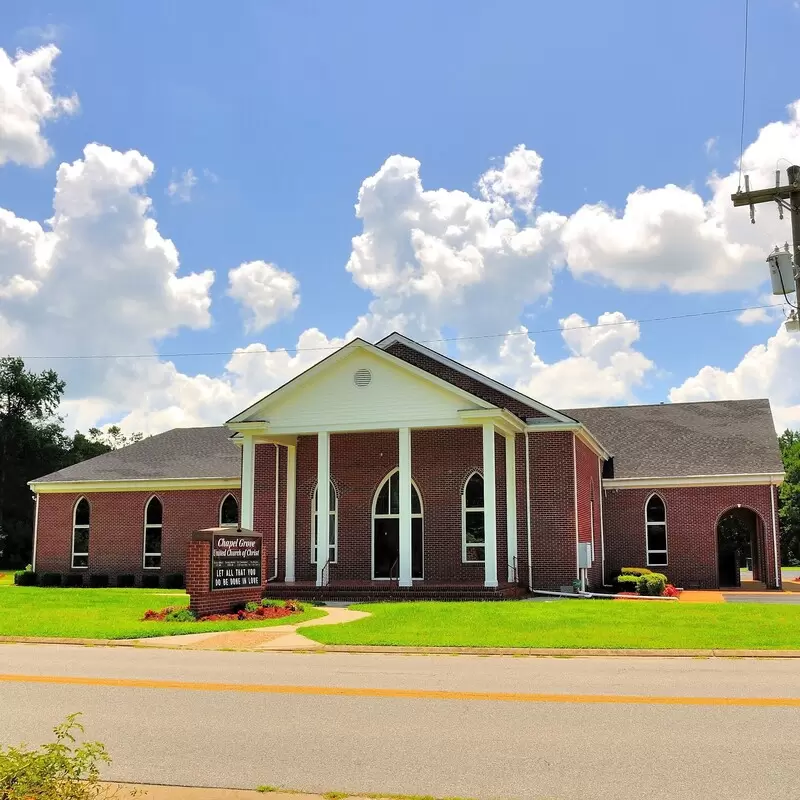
column 278, row 637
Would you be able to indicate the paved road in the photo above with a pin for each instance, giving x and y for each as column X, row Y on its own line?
column 582, row 727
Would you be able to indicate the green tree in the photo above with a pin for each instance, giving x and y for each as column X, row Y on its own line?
column 789, row 507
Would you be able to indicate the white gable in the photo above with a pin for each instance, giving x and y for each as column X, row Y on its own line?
column 366, row 388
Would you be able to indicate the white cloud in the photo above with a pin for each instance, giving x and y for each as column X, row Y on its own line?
column 671, row 237
column 711, row 145
column 759, row 314
column 181, row 186
column 603, row 367
column 27, row 102
column 267, row 292
column 766, row 370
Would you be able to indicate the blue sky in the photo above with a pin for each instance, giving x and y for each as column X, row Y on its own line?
column 283, row 110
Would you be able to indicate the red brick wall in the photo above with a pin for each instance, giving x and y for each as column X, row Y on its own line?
column 116, row 537
column 553, row 538
column 587, row 463
column 264, row 504
column 463, row 381
column 441, row 461
column 692, row 516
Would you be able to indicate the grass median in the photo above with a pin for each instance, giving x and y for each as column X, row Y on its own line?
column 571, row 624
column 107, row 613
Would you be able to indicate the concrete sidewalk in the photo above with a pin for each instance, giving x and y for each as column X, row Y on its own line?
column 152, row 792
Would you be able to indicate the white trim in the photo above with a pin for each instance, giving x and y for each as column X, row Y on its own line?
column 511, row 508
column 137, row 485
column 528, row 509
column 591, row 517
column 374, row 516
column 219, row 515
column 472, row 510
column 584, row 434
column 773, row 501
column 152, row 526
column 398, row 338
column 404, row 490
column 332, row 512
column 648, row 524
column 504, row 421
column 575, row 494
column 489, row 506
column 291, row 512
column 323, row 499
column 277, row 431
column 356, row 344
column 247, row 508
column 75, row 527
column 277, row 506
column 602, row 524
column 35, row 529
column 753, row 479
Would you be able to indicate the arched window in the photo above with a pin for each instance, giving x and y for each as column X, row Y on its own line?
column 153, row 527
column 333, row 528
column 229, row 512
column 473, row 521
column 80, row 534
column 386, row 530
column 656, row 531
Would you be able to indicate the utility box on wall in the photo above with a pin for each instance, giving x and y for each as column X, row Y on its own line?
column 584, row 555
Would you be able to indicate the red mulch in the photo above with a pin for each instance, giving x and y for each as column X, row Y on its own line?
column 263, row 612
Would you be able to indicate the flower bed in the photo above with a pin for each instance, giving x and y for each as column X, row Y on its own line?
column 267, row 609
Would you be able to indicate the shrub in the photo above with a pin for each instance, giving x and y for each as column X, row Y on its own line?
column 671, row 591
column 50, row 579
column 73, row 581
column 151, row 582
column 59, row 770
column 293, row 605
column 637, row 571
column 652, row 584
column 627, row 583
column 252, row 607
column 181, row 615
column 271, row 603
column 98, row 581
column 174, row 581
column 25, row 577
column 126, row 581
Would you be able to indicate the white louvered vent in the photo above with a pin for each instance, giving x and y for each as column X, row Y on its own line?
column 362, row 377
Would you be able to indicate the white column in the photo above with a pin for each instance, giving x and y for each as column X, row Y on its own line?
column 404, row 480
column 489, row 505
column 511, row 506
column 248, row 474
column 291, row 498
column 323, row 500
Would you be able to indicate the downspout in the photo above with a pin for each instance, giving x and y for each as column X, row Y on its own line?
column 277, row 503
column 35, row 528
column 528, row 507
column 778, row 576
column 578, row 573
column 602, row 531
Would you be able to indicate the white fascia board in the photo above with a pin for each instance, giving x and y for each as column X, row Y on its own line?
column 282, row 431
column 138, row 485
column 398, row 338
column 688, row 481
column 580, row 430
column 505, row 421
column 356, row 344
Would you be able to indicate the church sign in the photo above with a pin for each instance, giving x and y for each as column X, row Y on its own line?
column 235, row 561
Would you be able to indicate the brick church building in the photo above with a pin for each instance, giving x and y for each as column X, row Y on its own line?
column 436, row 481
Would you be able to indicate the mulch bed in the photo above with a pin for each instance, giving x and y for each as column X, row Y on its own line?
column 263, row 612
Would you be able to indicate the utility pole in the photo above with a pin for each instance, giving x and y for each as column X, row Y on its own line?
column 780, row 195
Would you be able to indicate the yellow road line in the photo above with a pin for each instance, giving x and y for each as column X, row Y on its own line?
column 408, row 694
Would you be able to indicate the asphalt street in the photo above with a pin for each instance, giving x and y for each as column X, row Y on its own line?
column 470, row 726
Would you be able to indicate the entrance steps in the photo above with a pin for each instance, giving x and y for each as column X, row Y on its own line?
column 378, row 591
column 749, row 586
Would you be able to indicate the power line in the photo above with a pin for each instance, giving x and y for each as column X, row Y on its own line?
column 330, row 348
column 744, row 87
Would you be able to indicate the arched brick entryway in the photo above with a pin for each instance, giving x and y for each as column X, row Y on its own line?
column 741, row 542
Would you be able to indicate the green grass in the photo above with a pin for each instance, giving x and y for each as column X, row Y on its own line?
column 107, row 613
column 571, row 623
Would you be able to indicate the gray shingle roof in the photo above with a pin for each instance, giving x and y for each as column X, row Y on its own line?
column 675, row 439
column 179, row 453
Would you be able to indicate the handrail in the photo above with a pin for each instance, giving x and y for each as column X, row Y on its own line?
column 326, row 578
column 513, row 567
column 391, row 571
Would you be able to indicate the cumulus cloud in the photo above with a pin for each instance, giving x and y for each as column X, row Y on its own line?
column 265, row 291
column 671, row 237
column 27, row 102
column 766, row 370
column 603, row 366
column 181, row 186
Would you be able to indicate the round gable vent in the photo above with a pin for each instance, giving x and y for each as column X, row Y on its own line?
column 362, row 377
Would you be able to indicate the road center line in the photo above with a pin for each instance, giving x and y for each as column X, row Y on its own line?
column 407, row 694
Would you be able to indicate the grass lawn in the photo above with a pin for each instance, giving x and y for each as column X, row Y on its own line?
column 571, row 623
column 106, row 613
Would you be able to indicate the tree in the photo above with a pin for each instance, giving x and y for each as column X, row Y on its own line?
column 789, row 496
column 33, row 443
